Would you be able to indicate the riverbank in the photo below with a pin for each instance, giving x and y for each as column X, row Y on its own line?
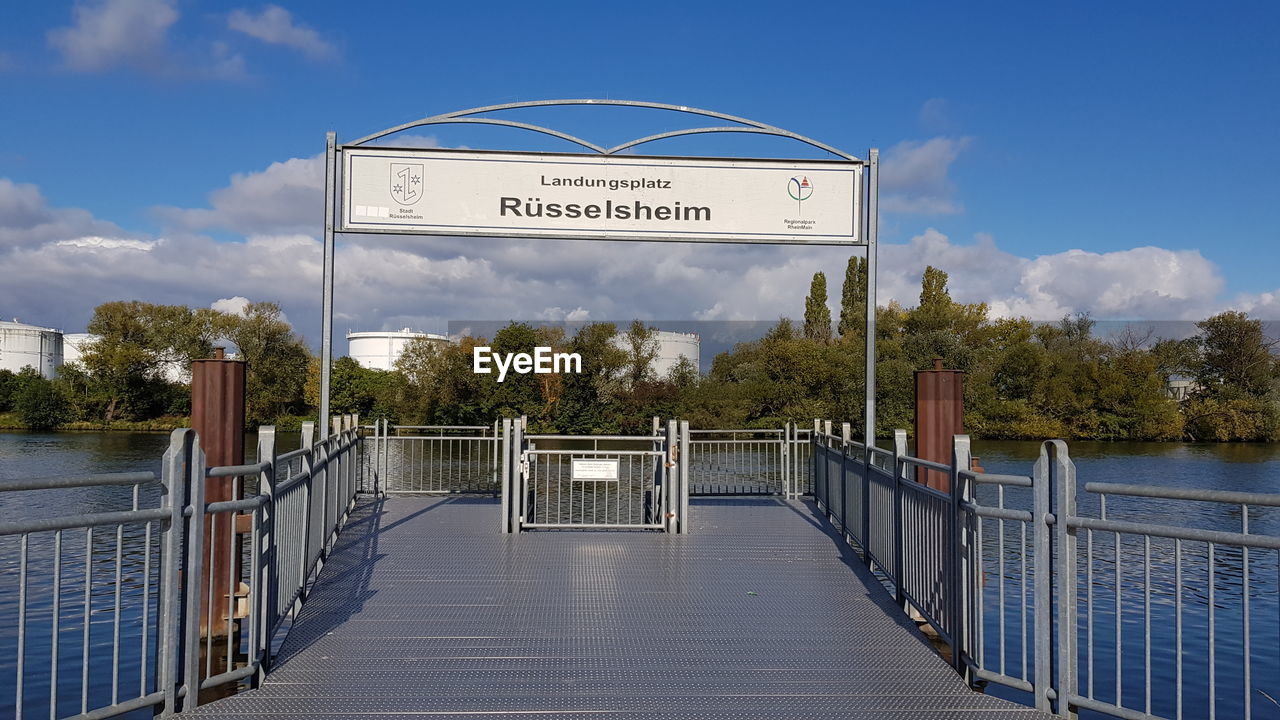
column 11, row 421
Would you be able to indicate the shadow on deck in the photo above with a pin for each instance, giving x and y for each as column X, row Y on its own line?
column 424, row 609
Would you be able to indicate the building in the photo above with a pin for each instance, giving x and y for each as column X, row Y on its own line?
column 23, row 345
column 379, row 350
column 1180, row 388
column 670, row 348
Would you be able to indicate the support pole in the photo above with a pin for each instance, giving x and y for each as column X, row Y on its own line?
column 873, row 223
column 217, row 416
column 326, row 320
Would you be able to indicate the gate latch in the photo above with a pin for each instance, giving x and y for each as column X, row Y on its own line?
column 524, row 466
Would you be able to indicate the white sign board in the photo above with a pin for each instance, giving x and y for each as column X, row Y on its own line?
column 595, row 470
column 450, row 192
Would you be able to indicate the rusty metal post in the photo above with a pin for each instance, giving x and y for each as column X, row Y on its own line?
column 939, row 418
column 217, row 415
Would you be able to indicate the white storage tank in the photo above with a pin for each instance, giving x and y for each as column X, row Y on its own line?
column 380, row 350
column 23, row 345
column 75, row 345
column 670, row 347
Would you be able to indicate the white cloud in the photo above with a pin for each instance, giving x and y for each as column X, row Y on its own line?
column 26, row 219
column 232, row 305
column 114, row 33
column 276, row 26
column 914, row 176
column 286, row 197
column 1149, row 283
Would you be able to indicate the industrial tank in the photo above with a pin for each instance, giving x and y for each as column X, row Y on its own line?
column 23, row 345
column 75, row 345
column 670, row 347
column 379, row 350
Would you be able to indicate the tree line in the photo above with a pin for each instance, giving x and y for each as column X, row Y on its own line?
column 1023, row 379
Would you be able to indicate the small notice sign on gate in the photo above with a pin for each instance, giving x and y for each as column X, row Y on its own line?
column 601, row 470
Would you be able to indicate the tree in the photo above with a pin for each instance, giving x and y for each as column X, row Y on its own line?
column 277, row 361
column 853, row 300
column 139, row 345
column 817, row 316
column 1235, row 357
column 641, row 346
column 39, row 404
column 8, row 385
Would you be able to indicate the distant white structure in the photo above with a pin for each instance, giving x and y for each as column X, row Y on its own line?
column 380, row 350
column 1180, row 388
column 23, row 345
column 670, row 348
column 75, row 345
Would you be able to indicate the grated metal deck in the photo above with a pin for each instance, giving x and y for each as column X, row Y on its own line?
column 425, row 610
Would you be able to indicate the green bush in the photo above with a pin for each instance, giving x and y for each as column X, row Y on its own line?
column 39, row 404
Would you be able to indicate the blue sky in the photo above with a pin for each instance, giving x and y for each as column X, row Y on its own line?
column 1115, row 158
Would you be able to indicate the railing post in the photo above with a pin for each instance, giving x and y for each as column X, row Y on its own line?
column 1062, row 473
column 1042, row 561
column 266, row 548
column 684, row 477
column 958, row 581
column 670, row 504
column 173, row 476
column 508, row 493
column 899, row 471
column 783, row 459
column 520, row 499
column 846, row 434
column 497, row 455
column 192, row 573
column 307, row 443
column 386, row 456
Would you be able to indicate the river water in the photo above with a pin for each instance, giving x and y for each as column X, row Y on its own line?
column 1250, row 468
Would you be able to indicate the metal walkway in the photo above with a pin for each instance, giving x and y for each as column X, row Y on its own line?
column 425, row 610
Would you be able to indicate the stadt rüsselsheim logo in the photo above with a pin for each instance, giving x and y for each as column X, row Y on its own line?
column 800, row 189
column 406, row 183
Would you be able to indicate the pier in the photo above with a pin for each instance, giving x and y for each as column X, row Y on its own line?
column 488, row 572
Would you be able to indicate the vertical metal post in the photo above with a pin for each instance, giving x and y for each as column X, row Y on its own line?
column 307, row 442
column 1042, row 561
column 326, row 313
column 174, row 478
column 1062, row 473
column 873, row 224
column 787, row 491
column 684, row 476
column 508, row 496
column 670, row 506
column 517, row 475
column 899, row 471
column 386, row 456
column 193, row 570
column 958, row 574
column 266, row 548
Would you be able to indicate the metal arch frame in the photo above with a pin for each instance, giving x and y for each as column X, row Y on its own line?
column 870, row 215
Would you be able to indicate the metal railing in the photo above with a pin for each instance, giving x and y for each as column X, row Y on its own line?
column 637, row 482
column 431, row 459
column 174, row 630
column 750, row 462
column 1065, row 605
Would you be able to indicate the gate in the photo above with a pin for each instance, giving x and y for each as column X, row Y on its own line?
column 617, row 482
